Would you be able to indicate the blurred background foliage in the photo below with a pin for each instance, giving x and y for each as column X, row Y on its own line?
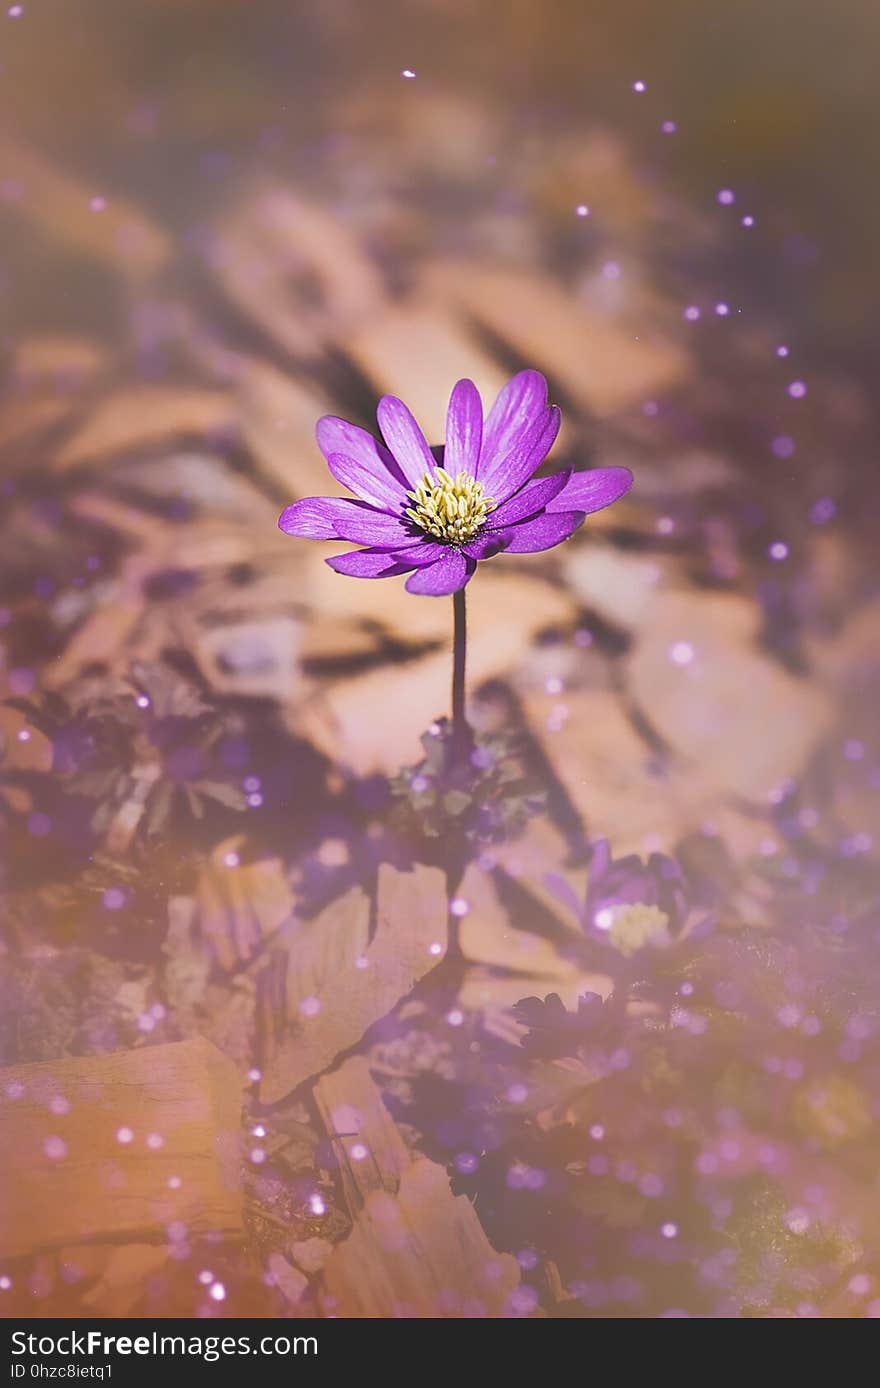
column 166, row 100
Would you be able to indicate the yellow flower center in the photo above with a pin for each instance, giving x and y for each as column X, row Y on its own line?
column 451, row 509
column 630, row 928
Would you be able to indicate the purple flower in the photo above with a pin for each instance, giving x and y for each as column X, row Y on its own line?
column 631, row 905
column 435, row 520
column 625, row 882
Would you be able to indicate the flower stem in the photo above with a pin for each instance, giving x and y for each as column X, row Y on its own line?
column 460, row 730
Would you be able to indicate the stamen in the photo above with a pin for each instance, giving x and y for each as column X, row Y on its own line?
column 452, row 510
column 631, row 927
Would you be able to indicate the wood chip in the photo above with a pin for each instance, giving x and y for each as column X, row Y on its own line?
column 510, row 962
column 53, row 360
column 619, row 586
column 106, row 633
column 123, row 1276
column 418, row 351
column 488, row 935
column 238, row 905
column 506, row 610
column 22, row 746
column 338, row 985
column 415, row 1250
column 118, row 234
column 148, row 1139
column 722, row 704
column 278, row 414
column 143, row 415
column 295, row 268
column 24, row 422
column 420, row 1254
column 256, row 658
column 611, row 774
column 311, row 1254
column 599, row 361
column 371, row 1152
column 289, row 1280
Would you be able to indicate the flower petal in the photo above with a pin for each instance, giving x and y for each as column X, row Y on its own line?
column 375, row 486
column 387, row 484
column 370, row 563
column 405, row 439
column 487, row 544
column 528, row 501
column 464, row 429
column 376, row 562
column 543, row 532
column 592, row 490
column 337, row 518
column 314, row 518
column 506, row 475
column 520, row 404
column 446, row 576
column 424, row 552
